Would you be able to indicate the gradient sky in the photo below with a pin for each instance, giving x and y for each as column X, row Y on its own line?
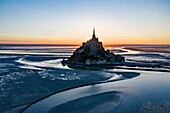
column 72, row 21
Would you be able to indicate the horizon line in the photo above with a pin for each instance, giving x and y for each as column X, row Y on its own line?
column 23, row 44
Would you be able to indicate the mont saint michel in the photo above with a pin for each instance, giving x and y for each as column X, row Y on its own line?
column 93, row 52
column 84, row 56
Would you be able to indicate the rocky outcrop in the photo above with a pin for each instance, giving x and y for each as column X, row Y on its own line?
column 92, row 52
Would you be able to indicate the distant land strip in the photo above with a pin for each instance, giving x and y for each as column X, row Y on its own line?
column 150, row 49
column 39, row 45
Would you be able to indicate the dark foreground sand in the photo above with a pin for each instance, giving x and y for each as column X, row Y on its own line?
column 146, row 93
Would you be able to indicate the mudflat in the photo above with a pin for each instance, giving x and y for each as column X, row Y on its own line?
column 151, row 49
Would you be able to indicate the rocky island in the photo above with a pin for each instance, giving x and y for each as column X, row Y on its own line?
column 92, row 52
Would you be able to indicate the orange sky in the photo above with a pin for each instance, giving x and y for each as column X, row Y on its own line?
column 106, row 41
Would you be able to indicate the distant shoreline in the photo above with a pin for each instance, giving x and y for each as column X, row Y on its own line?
column 150, row 49
column 39, row 45
column 109, row 45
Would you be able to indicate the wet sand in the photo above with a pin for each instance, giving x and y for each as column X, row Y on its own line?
column 151, row 49
column 131, row 95
column 43, row 68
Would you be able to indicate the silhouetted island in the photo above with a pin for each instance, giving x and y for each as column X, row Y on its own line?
column 93, row 52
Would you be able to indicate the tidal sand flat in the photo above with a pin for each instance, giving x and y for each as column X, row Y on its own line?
column 148, row 92
column 152, row 48
column 29, row 73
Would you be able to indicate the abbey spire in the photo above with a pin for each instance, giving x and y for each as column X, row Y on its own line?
column 93, row 36
column 94, row 30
